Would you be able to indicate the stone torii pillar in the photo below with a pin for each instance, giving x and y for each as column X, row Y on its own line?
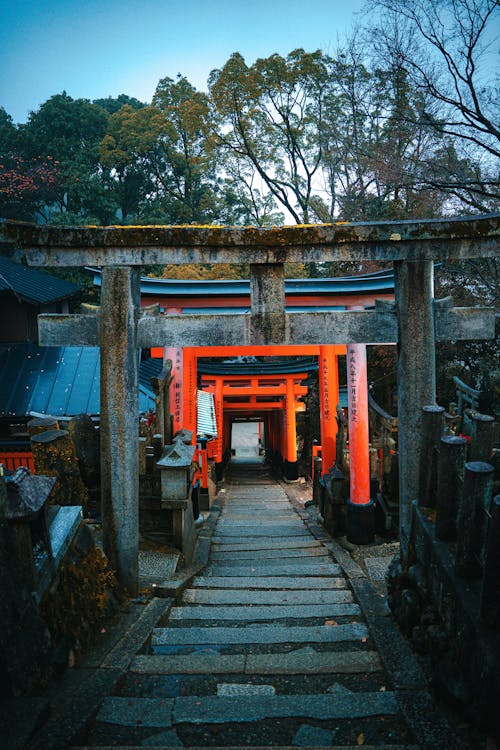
column 416, row 374
column 119, row 420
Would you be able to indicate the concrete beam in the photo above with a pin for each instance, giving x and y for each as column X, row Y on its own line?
column 314, row 328
column 436, row 239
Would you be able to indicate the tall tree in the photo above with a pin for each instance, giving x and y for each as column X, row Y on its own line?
column 125, row 155
column 270, row 115
column 445, row 47
column 182, row 165
column 69, row 131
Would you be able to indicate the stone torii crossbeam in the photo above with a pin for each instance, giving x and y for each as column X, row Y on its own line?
column 414, row 322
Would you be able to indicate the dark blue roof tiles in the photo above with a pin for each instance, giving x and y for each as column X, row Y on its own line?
column 34, row 286
column 60, row 381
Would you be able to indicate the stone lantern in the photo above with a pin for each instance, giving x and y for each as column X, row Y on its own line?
column 175, row 466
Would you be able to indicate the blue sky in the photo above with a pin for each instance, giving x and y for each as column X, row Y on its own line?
column 98, row 48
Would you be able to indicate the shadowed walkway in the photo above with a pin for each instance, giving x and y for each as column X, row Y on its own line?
column 279, row 641
column 267, row 647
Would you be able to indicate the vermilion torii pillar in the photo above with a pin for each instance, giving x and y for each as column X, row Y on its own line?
column 360, row 508
column 219, row 416
column 189, row 383
column 328, row 400
column 174, row 353
column 290, row 470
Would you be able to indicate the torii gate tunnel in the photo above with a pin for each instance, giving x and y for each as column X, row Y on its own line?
column 415, row 321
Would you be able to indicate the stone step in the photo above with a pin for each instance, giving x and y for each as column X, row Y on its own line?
column 165, row 713
column 273, row 568
column 268, row 582
column 247, row 516
column 269, row 530
column 300, row 661
column 264, row 612
column 247, row 747
column 266, row 544
column 269, row 554
column 275, row 597
column 269, row 634
column 263, row 523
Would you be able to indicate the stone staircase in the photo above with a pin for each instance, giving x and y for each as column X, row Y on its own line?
column 267, row 648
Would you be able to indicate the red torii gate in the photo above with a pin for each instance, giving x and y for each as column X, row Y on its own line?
column 243, row 395
column 329, row 398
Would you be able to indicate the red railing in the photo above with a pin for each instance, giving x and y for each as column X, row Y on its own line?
column 13, row 460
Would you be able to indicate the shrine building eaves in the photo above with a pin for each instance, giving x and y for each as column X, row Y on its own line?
column 431, row 239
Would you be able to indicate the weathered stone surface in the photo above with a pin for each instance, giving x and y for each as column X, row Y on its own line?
column 210, row 710
column 270, row 612
column 300, row 662
column 133, row 712
column 259, row 634
column 122, row 654
column 308, row 736
column 243, row 689
column 378, row 566
column 271, row 597
column 74, row 711
column 265, row 531
column 270, row 554
column 268, row 582
column 121, row 245
column 163, row 739
column 86, row 442
column 265, row 544
column 273, row 568
column 198, row 663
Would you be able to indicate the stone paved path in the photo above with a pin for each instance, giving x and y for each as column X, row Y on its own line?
column 267, row 648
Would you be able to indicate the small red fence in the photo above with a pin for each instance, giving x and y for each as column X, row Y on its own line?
column 13, row 460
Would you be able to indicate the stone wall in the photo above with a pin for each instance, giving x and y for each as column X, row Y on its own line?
column 439, row 612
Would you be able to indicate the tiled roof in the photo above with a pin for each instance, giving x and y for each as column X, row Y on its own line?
column 60, row 381
column 33, row 286
column 369, row 283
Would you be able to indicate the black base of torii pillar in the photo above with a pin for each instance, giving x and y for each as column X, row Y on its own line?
column 119, row 423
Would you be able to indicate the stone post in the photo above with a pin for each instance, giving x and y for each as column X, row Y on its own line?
column 416, row 375
column 450, row 476
column 482, row 437
column 490, row 590
column 474, row 505
column 120, row 422
column 432, row 430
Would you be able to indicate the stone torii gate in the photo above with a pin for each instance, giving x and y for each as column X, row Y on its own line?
column 415, row 322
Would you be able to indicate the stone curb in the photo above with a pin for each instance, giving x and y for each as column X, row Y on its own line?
column 175, row 586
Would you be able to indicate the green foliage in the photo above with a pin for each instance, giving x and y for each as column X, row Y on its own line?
column 365, row 133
